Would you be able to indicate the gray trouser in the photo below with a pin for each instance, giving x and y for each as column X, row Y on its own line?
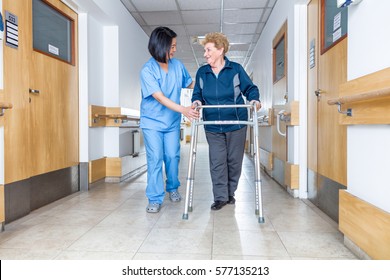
column 226, row 151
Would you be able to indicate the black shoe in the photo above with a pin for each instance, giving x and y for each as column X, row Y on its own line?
column 218, row 205
column 231, row 200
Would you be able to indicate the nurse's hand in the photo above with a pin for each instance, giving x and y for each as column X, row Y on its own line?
column 191, row 113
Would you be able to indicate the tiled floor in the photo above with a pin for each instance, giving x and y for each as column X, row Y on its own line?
column 110, row 222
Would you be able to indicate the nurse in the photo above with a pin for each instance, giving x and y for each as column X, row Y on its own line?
column 162, row 78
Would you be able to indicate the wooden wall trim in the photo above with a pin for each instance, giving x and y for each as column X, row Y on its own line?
column 291, row 178
column 96, row 170
column 113, row 167
column 105, row 167
column 294, row 113
column 371, row 111
column 366, row 225
column 99, row 110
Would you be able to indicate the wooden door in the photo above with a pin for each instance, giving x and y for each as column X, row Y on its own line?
column 16, row 84
column 41, row 131
column 327, row 171
column 54, row 110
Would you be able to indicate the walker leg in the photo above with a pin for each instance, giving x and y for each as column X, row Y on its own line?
column 190, row 172
column 190, row 207
column 259, row 202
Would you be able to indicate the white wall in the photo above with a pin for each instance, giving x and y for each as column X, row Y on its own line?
column 260, row 64
column 369, row 164
column 116, row 50
column 95, row 64
column 368, row 153
column 132, row 51
column 368, row 37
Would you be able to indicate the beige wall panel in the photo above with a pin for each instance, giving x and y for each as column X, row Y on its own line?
column 94, row 112
column 113, row 111
column 293, row 110
column 368, row 112
column 96, row 170
column 113, row 167
column 271, row 120
column 291, row 175
column 371, row 111
column 366, row 225
column 373, row 81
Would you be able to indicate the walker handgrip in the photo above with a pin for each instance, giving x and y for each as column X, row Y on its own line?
column 227, row 106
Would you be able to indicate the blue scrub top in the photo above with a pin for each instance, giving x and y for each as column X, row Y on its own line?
column 154, row 79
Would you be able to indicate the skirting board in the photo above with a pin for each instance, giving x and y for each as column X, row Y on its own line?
column 115, row 169
column 291, row 175
column 365, row 225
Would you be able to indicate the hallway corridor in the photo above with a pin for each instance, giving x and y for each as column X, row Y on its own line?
column 110, row 222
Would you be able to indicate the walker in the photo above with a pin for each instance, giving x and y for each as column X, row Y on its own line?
column 252, row 121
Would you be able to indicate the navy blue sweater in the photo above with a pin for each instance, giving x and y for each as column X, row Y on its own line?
column 226, row 89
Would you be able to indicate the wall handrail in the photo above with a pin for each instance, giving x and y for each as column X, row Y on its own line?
column 117, row 116
column 263, row 119
column 368, row 95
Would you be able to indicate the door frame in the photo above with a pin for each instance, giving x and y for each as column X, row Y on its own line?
column 326, row 172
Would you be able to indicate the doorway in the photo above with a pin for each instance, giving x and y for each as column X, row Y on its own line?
column 327, row 69
column 41, row 153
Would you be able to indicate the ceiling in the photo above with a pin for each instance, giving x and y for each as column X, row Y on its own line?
column 242, row 21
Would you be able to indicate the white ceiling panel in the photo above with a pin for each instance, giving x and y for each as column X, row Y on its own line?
column 242, row 22
column 160, row 5
column 162, row 18
column 211, row 16
column 240, row 47
column 240, row 28
column 247, row 4
column 240, row 16
column 199, row 5
column 239, row 39
column 202, row 29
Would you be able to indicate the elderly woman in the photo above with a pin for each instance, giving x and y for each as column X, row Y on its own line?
column 223, row 82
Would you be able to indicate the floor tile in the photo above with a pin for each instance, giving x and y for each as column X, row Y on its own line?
column 161, row 240
column 109, row 222
column 248, row 243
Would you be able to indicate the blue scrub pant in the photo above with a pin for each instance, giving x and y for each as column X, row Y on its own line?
column 161, row 147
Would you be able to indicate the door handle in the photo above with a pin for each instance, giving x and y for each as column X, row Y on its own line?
column 33, row 91
column 318, row 92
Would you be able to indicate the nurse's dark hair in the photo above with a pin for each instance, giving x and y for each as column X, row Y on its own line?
column 160, row 42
